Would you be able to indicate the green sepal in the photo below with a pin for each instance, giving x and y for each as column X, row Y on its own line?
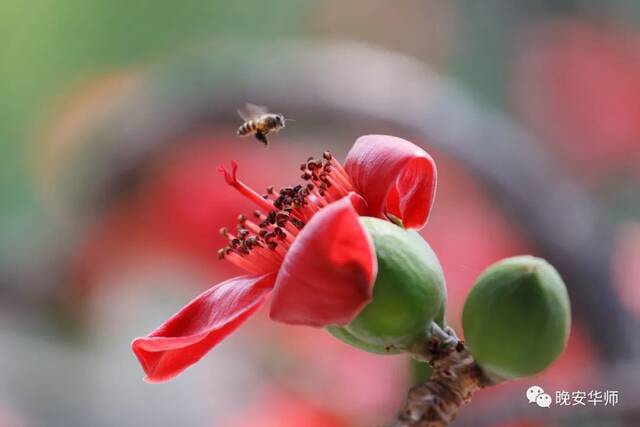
column 408, row 295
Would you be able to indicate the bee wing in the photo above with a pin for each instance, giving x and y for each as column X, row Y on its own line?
column 251, row 111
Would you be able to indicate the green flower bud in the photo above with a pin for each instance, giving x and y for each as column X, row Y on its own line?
column 408, row 295
column 516, row 319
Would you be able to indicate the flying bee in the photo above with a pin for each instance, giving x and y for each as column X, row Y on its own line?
column 259, row 122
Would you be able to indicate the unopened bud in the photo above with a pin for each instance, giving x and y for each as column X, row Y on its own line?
column 517, row 318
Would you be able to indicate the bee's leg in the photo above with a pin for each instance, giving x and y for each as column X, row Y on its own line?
column 262, row 138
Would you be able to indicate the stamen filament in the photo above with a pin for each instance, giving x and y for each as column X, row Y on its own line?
column 292, row 230
column 269, row 256
column 336, row 185
column 239, row 261
column 232, row 179
column 342, row 174
column 261, row 244
column 319, row 200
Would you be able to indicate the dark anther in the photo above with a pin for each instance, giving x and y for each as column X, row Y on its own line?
column 316, row 172
column 282, row 216
column 252, row 241
column 297, row 223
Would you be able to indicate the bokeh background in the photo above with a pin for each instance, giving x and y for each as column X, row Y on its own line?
column 114, row 116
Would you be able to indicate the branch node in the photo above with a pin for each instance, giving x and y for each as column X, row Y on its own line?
column 455, row 378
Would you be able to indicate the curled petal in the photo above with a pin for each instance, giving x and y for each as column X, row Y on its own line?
column 187, row 336
column 395, row 177
column 358, row 203
column 328, row 273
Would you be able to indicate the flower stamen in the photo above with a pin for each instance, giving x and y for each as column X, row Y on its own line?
column 232, row 179
column 260, row 244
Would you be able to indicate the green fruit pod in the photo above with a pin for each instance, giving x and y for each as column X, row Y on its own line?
column 517, row 318
column 408, row 295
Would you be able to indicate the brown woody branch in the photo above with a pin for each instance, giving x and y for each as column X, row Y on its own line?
column 454, row 379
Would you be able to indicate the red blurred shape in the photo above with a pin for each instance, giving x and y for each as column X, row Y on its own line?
column 626, row 264
column 278, row 408
column 579, row 86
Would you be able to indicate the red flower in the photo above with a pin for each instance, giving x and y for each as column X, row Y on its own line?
column 306, row 249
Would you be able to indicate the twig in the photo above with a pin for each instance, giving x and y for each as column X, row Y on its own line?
column 454, row 379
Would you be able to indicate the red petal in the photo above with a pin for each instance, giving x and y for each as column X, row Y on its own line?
column 328, row 273
column 394, row 176
column 187, row 336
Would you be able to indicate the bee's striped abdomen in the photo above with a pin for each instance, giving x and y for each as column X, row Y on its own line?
column 247, row 128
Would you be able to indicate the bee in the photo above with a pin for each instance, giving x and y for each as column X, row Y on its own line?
column 259, row 122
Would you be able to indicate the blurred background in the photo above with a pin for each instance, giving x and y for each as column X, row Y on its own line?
column 115, row 115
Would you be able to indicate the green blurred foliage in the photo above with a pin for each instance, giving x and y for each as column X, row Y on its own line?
column 50, row 45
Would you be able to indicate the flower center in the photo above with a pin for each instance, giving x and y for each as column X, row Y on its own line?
column 262, row 240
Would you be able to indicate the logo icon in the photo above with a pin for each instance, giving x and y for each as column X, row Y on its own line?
column 535, row 394
column 543, row 400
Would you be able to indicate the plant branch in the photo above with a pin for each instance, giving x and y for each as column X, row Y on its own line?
column 454, row 379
